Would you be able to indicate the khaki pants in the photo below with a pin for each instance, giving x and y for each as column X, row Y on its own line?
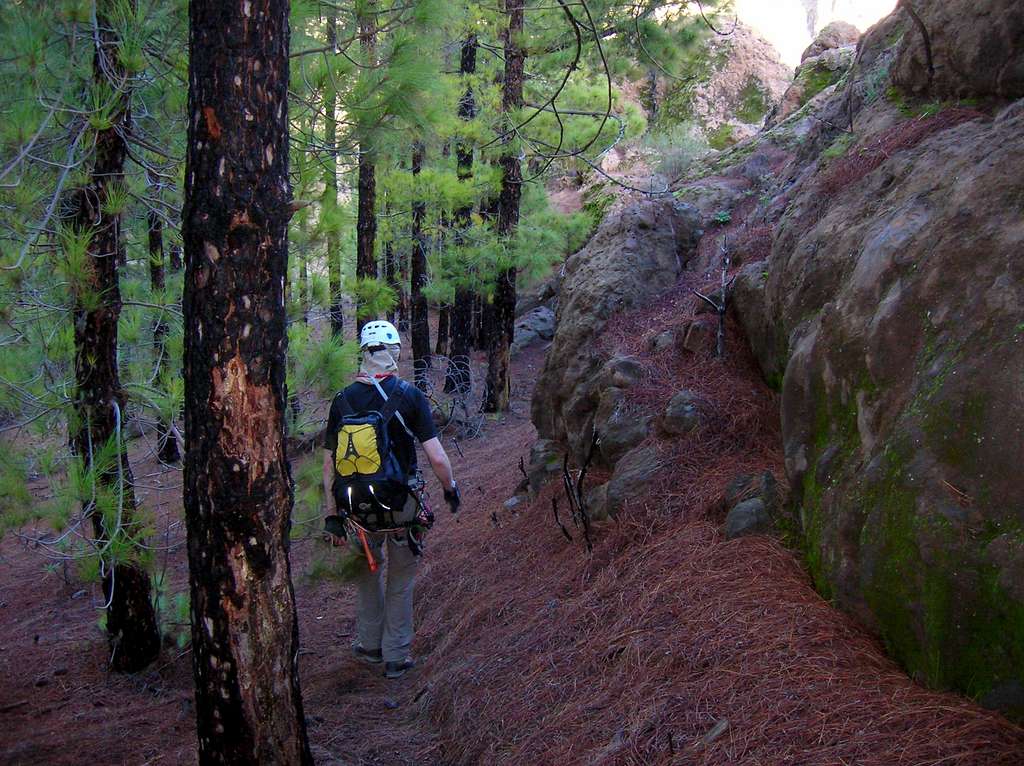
column 384, row 600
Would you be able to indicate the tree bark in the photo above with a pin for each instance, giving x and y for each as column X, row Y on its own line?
column 99, row 399
column 497, row 387
column 441, row 347
column 420, row 328
column 175, row 258
column 391, row 269
column 366, row 221
column 330, row 199
column 238, row 488
column 305, row 289
column 460, row 329
column 167, row 443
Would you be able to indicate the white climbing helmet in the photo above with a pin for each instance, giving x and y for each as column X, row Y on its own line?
column 379, row 333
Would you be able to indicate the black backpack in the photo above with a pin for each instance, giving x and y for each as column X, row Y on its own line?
column 370, row 484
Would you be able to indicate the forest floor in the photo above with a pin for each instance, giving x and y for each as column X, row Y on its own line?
column 664, row 644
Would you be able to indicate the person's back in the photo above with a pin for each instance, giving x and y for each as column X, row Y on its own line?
column 384, row 625
column 413, row 408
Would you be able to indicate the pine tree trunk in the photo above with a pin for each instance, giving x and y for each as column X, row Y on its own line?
column 238, row 489
column 402, row 279
column 99, row 399
column 167, row 443
column 305, row 289
column 497, row 387
column 391, row 268
column 175, row 258
column 460, row 322
column 418, row 279
column 457, row 376
column 366, row 221
column 478, row 323
column 652, row 97
column 330, row 199
column 441, row 348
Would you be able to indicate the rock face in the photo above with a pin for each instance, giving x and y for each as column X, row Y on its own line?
column 890, row 314
column 973, row 50
column 823, row 63
column 729, row 98
column 638, row 252
column 890, row 311
column 838, row 34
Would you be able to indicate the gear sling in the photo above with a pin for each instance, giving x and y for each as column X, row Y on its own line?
column 370, row 485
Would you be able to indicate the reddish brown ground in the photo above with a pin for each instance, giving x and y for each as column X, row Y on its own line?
column 533, row 651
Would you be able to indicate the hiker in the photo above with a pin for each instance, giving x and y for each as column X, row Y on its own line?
column 373, row 491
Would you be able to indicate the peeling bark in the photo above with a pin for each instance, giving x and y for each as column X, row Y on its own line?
column 238, row 488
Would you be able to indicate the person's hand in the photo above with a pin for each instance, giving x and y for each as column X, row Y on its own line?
column 334, row 526
column 453, row 497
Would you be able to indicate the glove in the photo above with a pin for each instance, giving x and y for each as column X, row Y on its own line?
column 335, row 527
column 453, row 497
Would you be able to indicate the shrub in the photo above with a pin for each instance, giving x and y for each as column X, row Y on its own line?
column 675, row 149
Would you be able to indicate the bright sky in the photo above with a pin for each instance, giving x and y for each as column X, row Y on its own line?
column 784, row 22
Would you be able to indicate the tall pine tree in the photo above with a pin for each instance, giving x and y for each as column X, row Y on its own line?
column 238, row 489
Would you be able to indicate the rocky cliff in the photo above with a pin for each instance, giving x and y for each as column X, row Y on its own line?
column 875, row 235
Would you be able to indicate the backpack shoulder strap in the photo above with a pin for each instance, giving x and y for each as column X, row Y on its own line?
column 346, row 405
column 392, row 403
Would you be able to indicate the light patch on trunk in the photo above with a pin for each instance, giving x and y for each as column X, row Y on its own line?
column 247, row 414
column 211, row 252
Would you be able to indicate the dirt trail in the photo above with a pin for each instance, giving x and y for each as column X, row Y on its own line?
column 58, row 704
column 531, row 651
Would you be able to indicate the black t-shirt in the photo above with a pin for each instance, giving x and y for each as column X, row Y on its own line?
column 414, row 409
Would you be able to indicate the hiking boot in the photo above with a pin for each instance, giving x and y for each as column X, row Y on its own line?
column 398, row 669
column 372, row 656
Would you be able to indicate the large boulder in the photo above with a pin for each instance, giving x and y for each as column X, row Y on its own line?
column 638, row 252
column 893, row 302
column 963, row 49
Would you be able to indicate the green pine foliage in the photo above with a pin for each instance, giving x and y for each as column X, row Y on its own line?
column 407, row 92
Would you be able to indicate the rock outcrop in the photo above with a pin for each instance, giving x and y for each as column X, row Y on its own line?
column 886, row 302
column 637, row 253
column 890, row 311
column 838, row 34
column 823, row 63
column 741, row 80
column 963, row 49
